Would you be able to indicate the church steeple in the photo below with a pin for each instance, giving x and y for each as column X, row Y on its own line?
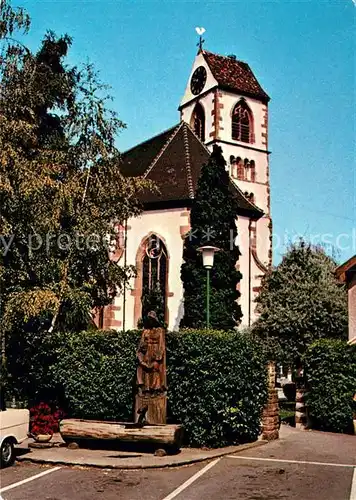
column 230, row 96
column 225, row 105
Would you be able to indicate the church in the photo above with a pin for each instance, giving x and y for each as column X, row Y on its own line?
column 223, row 104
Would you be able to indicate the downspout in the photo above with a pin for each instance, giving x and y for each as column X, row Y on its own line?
column 249, row 272
column 124, row 294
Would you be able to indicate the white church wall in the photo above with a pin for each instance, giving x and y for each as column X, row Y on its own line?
column 167, row 225
column 263, row 240
column 251, row 274
column 259, row 157
column 243, row 264
column 258, row 109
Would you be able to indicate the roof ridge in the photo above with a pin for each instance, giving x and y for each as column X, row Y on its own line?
column 225, row 57
column 171, row 137
column 150, row 139
column 198, row 138
column 344, row 267
column 187, row 162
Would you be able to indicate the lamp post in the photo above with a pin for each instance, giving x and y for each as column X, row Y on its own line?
column 208, row 262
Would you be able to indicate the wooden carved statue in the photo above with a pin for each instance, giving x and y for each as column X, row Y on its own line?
column 151, row 371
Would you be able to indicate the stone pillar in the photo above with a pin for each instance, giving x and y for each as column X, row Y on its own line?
column 270, row 417
column 300, row 410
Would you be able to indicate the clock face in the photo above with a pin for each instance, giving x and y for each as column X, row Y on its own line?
column 198, row 80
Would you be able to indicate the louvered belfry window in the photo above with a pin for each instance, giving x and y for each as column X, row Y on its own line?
column 242, row 123
column 198, row 122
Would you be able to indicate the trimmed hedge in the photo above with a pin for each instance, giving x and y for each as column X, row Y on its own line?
column 216, row 380
column 217, row 386
column 97, row 374
column 29, row 358
column 331, row 381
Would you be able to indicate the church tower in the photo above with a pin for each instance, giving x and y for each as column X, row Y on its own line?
column 224, row 104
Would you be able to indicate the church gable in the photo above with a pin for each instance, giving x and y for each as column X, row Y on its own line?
column 209, row 83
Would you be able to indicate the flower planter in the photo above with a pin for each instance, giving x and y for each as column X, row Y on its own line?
column 44, row 422
column 42, row 438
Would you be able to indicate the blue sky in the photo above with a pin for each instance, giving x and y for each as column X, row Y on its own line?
column 302, row 52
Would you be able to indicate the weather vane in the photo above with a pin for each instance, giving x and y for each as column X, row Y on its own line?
column 200, row 32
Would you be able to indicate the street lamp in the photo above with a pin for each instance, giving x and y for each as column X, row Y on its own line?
column 208, row 262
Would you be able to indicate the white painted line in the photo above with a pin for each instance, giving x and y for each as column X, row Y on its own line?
column 196, row 476
column 32, row 478
column 353, row 486
column 291, row 461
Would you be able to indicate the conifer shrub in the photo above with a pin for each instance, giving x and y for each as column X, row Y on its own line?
column 330, row 367
column 213, row 219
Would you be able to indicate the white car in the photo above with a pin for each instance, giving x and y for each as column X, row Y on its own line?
column 14, row 426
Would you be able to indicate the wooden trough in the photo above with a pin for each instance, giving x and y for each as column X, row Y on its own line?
column 167, row 436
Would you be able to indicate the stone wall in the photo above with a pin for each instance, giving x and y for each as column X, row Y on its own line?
column 270, row 417
column 301, row 419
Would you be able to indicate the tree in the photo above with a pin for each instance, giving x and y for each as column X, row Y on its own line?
column 301, row 302
column 12, row 20
column 61, row 190
column 213, row 219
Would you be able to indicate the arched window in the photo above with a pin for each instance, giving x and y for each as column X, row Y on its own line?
column 242, row 123
column 252, row 171
column 198, row 121
column 243, row 170
column 154, row 277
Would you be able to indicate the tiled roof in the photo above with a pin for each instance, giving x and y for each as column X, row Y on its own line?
column 234, row 75
column 173, row 161
column 344, row 271
column 137, row 159
column 244, row 203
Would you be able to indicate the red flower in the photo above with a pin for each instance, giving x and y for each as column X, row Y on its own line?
column 44, row 419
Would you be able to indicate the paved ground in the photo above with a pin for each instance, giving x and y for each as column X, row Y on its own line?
column 300, row 466
column 112, row 458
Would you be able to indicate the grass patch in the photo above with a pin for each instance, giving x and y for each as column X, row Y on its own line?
column 287, row 413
